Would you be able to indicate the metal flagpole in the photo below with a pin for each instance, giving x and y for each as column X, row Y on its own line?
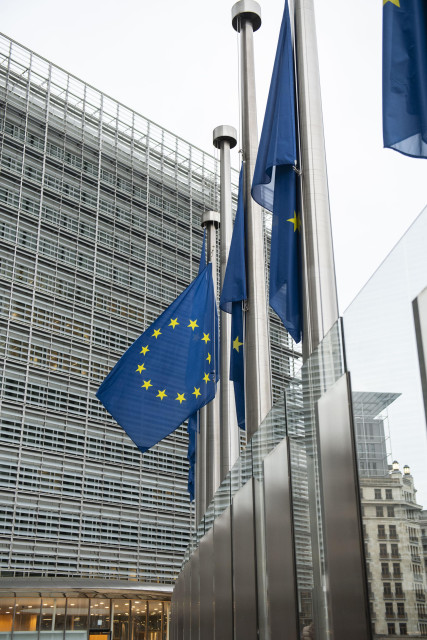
column 320, row 295
column 225, row 139
column 209, row 419
column 246, row 18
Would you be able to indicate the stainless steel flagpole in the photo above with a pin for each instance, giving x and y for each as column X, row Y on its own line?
column 246, row 18
column 320, row 294
column 225, row 139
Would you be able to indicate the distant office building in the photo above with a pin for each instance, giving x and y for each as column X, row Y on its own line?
column 396, row 572
column 100, row 214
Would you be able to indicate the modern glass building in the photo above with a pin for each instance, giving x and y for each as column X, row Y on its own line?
column 100, row 230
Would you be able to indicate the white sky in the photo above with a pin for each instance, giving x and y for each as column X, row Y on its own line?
column 176, row 63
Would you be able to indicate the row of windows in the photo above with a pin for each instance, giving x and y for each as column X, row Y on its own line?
column 379, row 512
column 72, row 287
column 379, row 495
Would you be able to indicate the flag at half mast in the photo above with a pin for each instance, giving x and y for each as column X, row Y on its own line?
column 170, row 371
column 233, row 295
column 405, row 76
column 275, row 183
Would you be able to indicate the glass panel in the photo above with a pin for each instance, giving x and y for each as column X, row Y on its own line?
column 391, row 440
column 139, row 622
column 52, row 619
column 27, row 615
column 99, row 613
column 6, row 617
column 121, row 619
column 154, row 620
column 166, row 619
column 77, row 614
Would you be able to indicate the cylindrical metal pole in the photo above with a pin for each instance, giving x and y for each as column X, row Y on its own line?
column 209, row 420
column 246, row 18
column 320, row 295
column 224, row 139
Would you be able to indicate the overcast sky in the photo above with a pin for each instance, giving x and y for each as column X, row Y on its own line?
column 177, row 64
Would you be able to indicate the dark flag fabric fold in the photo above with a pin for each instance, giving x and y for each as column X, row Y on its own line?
column 405, row 76
column 232, row 296
column 170, row 371
column 275, row 185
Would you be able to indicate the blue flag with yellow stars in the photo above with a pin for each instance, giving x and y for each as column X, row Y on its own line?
column 274, row 185
column 405, row 76
column 232, row 296
column 170, row 371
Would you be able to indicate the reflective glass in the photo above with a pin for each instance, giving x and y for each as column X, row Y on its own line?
column 99, row 613
column 6, row 617
column 121, row 610
column 139, row 619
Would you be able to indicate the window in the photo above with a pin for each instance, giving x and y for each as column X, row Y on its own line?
column 392, row 531
column 389, row 613
column 395, row 550
column 387, row 588
column 398, row 588
column 381, row 531
column 391, row 629
column 378, row 495
column 380, row 512
column 401, row 610
column 388, row 494
column 383, row 550
column 396, row 569
column 385, row 571
column 403, row 629
column 390, row 512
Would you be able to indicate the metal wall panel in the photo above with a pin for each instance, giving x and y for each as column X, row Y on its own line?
column 179, row 590
column 186, row 604
column 348, row 604
column 419, row 306
column 244, row 571
column 195, row 596
column 279, row 542
column 206, row 550
column 223, row 577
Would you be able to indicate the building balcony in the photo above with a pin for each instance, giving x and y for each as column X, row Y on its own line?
column 402, row 616
column 385, row 575
column 382, row 536
column 420, row 596
column 422, row 616
column 384, row 555
column 416, row 559
column 398, row 575
column 400, row 596
column 390, row 615
column 388, row 596
column 413, row 539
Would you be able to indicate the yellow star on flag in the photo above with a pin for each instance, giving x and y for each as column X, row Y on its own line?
column 144, row 350
column 156, row 333
column 206, row 338
column 206, row 377
column 147, row 384
column 196, row 392
column 193, row 324
column 296, row 221
column 396, row 2
column 161, row 394
column 209, row 358
column 180, row 397
column 237, row 344
column 140, row 368
column 173, row 323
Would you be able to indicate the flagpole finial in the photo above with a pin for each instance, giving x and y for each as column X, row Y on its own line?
column 222, row 133
column 210, row 216
column 248, row 9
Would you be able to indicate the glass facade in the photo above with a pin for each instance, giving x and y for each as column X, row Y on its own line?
column 384, row 528
column 80, row 618
column 100, row 214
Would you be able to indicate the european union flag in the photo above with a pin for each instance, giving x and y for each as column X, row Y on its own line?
column 232, row 295
column 405, row 76
column 274, row 185
column 170, row 371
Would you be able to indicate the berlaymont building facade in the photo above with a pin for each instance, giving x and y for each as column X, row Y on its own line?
column 100, row 230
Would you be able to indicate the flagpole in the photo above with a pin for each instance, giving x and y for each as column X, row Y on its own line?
column 246, row 18
column 209, row 419
column 320, row 295
column 225, row 139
